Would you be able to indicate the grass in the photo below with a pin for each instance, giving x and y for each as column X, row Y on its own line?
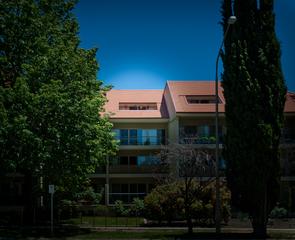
column 132, row 235
column 75, row 233
column 106, row 221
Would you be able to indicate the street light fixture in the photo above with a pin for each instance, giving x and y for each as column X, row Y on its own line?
column 231, row 20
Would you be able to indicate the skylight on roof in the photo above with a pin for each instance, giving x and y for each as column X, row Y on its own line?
column 138, row 106
column 200, row 99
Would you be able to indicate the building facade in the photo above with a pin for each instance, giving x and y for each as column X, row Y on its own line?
column 182, row 113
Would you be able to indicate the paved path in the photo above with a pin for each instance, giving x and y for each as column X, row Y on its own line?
column 226, row 229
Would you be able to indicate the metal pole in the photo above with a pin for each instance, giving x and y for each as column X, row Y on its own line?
column 217, row 180
column 107, row 186
column 51, row 228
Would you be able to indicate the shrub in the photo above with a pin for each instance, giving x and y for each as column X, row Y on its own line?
column 120, row 209
column 137, row 208
column 166, row 203
column 162, row 203
column 68, row 209
column 278, row 212
column 88, row 195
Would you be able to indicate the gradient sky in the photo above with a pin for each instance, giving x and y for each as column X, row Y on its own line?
column 143, row 43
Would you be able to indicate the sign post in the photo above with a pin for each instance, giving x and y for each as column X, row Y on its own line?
column 51, row 191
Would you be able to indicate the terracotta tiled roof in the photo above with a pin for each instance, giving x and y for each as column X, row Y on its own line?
column 290, row 102
column 179, row 89
column 136, row 96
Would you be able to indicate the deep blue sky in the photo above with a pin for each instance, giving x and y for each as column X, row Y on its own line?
column 143, row 43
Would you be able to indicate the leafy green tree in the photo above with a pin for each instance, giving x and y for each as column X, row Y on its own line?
column 190, row 163
column 254, row 91
column 162, row 203
column 167, row 202
column 50, row 100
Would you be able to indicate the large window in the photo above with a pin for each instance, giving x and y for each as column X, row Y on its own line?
column 137, row 106
column 140, row 136
column 141, row 160
column 126, row 192
column 199, row 134
column 200, row 99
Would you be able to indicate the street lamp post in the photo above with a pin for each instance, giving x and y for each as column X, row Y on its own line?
column 231, row 20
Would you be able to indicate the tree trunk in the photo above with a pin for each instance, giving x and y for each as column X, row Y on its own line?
column 189, row 225
column 259, row 227
column 188, row 220
column 28, row 199
column 260, row 218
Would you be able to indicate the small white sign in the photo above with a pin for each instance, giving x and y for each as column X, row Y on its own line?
column 51, row 189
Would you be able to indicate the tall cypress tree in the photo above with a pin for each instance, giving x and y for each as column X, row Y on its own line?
column 254, row 90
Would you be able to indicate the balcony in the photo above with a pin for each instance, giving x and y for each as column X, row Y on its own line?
column 288, row 137
column 143, row 141
column 199, row 134
column 127, row 169
column 140, row 137
column 198, row 140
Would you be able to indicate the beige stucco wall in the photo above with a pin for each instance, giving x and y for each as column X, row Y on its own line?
column 138, row 125
column 173, row 130
column 169, row 103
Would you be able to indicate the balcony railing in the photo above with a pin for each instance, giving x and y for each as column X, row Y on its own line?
column 131, row 169
column 200, row 140
column 142, row 141
column 287, row 139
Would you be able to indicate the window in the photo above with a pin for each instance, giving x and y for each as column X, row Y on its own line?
column 127, row 192
column 147, row 160
column 123, row 160
column 141, row 188
column 133, row 160
column 133, row 188
column 199, row 99
column 133, row 137
column 123, row 137
column 137, row 106
column 116, row 188
column 190, row 131
column 141, row 160
column 140, row 136
column 204, row 131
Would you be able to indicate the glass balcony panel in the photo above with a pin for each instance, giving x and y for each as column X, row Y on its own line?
column 133, row 160
column 133, row 188
column 133, row 137
column 140, row 136
column 141, row 188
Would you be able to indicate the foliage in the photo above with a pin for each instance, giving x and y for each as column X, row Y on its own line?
column 120, row 209
column 50, row 100
column 89, row 196
column 167, row 202
column 278, row 212
column 137, row 207
column 162, row 203
column 189, row 163
column 254, row 91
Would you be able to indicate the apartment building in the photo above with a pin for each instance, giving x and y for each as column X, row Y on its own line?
column 184, row 112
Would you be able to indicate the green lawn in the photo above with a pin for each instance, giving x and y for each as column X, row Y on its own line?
column 76, row 234
column 107, row 221
column 156, row 234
